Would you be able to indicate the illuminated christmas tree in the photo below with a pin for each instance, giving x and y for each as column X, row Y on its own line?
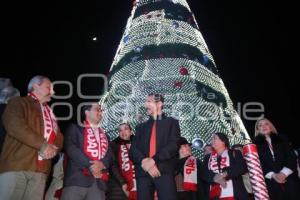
column 162, row 51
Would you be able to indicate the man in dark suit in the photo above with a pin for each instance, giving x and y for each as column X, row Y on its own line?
column 153, row 151
column 90, row 156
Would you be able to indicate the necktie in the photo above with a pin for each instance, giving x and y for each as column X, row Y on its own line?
column 152, row 149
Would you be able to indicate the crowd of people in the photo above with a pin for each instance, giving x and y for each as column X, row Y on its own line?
column 152, row 161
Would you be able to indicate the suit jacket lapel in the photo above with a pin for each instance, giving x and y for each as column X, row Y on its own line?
column 159, row 133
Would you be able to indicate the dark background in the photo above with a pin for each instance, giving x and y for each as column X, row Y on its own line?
column 251, row 41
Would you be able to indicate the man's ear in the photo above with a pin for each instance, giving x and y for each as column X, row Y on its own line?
column 86, row 112
column 35, row 86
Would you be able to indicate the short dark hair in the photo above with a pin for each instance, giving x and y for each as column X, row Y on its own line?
column 223, row 137
column 83, row 109
column 182, row 141
column 237, row 146
column 157, row 97
column 125, row 123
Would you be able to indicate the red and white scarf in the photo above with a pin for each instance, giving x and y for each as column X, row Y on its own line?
column 49, row 122
column 190, row 174
column 216, row 189
column 95, row 146
column 128, row 172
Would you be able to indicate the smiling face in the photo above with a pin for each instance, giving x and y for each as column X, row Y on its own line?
column 125, row 132
column 44, row 91
column 264, row 127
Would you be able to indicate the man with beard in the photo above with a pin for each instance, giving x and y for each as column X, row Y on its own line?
column 153, row 151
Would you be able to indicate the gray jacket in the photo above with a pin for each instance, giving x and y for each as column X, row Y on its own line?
column 77, row 160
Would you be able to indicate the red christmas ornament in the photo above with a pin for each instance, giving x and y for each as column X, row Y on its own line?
column 177, row 84
column 184, row 71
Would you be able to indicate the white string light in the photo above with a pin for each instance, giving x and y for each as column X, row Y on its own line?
column 192, row 90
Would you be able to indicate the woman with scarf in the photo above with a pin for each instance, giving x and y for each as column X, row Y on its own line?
column 224, row 169
column 279, row 162
column 122, row 184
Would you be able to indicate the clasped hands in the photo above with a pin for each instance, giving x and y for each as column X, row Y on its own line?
column 96, row 168
column 48, row 151
column 221, row 179
column 279, row 177
column 148, row 165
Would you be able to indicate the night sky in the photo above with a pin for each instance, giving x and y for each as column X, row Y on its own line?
column 251, row 42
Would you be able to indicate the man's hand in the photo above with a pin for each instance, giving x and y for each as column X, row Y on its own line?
column 97, row 175
column 154, row 172
column 147, row 163
column 279, row 178
column 125, row 190
column 282, row 177
column 49, row 151
column 96, row 166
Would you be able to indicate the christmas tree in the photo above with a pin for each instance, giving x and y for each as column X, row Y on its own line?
column 162, row 51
